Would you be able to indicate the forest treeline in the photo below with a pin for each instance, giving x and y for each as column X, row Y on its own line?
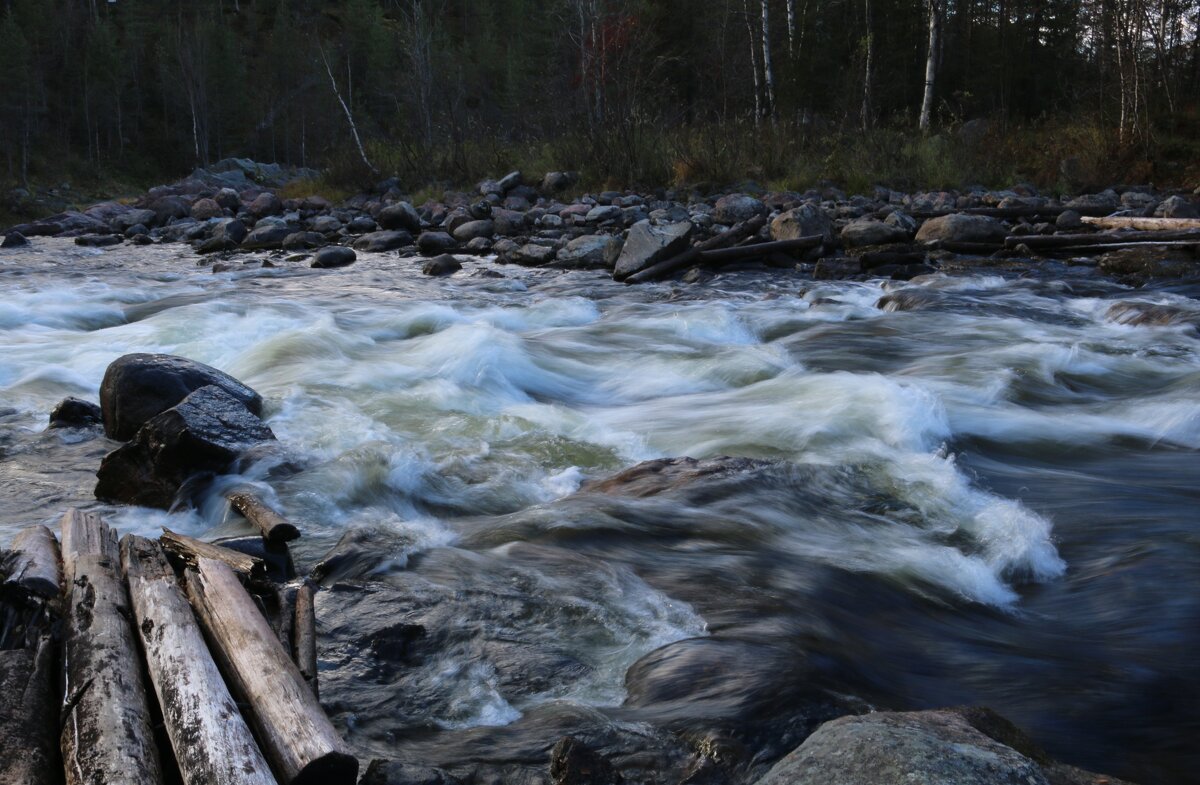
column 628, row 91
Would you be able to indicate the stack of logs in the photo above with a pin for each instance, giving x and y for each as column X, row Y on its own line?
column 209, row 646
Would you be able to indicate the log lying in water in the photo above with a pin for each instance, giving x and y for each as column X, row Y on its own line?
column 304, row 634
column 190, row 550
column 296, row 735
column 1054, row 241
column 692, row 255
column 35, row 568
column 1143, row 224
column 740, row 252
column 106, row 735
column 212, row 743
column 274, row 527
column 29, row 715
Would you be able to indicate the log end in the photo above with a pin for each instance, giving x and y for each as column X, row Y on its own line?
column 332, row 768
column 283, row 532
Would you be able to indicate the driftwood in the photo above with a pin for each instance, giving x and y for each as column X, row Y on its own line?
column 29, row 715
column 304, row 634
column 35, row 568
column 1143, row 224
column 740, row 252
column 1004, row 212
column 212, row 742
column 274, row 527
column 106, row 731
column 295, row 733
column 1050, row 241
column 189, row 550
column 1119, row 246
column 691, row 255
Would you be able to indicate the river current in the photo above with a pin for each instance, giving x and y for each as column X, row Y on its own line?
column 989, row 499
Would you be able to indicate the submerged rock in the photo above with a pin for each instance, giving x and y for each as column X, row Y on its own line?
column 14, row 240
column 74, row 412
column 443, row 265
column 136, row 387
column 385, row 240
column 335, row 256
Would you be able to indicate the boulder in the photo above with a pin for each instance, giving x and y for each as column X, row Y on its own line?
column 225, row 236
column 959, row 228
column 74, row 412
column 361, row 225
column 836, row 268
column 1143, row 264
column 299, row 241
column 266, row 203
column 99, row 240
column 473, row 229
column 509, row 181
column 508, row 222
column 400, row 215
column 334, row 256
column 554, row 182
column 446, row 264
column 14, row 240
column 203, row 434
column 1068, row 220
column 387, row 240
column 901, row 220
column 868, row 231
column 1177, row 207
column 432, row 243
column 228, row 199
column 647, row 245
column 574, row 763
column 531, row 255
column 592, row 251
column 735, row 208
column 600, row 213
column 1095, row 203
column 132, row 218
column 325, row 224
column 167, row 208
column 807, row 220
column 265, row 237
column 136, row 387
column 1139, row 314
column 203, row 209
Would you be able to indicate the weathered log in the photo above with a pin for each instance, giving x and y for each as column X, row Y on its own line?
column 297, row 736
column 35, row 567
column 274, row 527
column 29, row 715
column 189, row 550
column 1004, row 212
column 106, row 731
column 728, row 237
column 975, row 249
column 1119, row 246
column 1143, row 224
column 212, row 743
column 740, row 252
column 284, row 618
column 1099, row 238
column 304, row 634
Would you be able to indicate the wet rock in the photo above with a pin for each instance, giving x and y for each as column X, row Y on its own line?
column 804, row 221
column 266, row 237
column 99, row 240
column 137, row 387
column 265, row 204
column 647, row 245
column 226, row 236
column 593, row 251
column 1143, row 264
column 474, row 229
column 203, row 434
column 14, row 240
column 436, row 242
column 334, row 256
column 133, row 217
column 867, row 231
column 385, row 772
column 203, row 209
column 960, row 228
column 166, row 208
column 74, row 412
column 297, row 241
column 663, row 475
column 574, row 763
column 446, row 264
column 531, row 255
column 1151, row 314
column 400, row 215
column 228, row 199
column 836, row 268
column 386, row 240
column 735, row 208
column 479, row 245
column 909, row 299
column 137, row 230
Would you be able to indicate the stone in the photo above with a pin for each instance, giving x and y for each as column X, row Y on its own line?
column 136, row 387
column 508, row 222
column 432, row 243
column 266, row 237
column 901, row 220
column 133, row 217
column 555, row 182
column 1139, row 314
column 510, row 181
column 1069, row 220
column 297, row 241
column 479, row 245
column 136, row 230
column 446, row 264
column 646, row 245
column 591, row 251
column 325, row 224
column 203, row 209
column 166, row 208
column 361, row 225
column 807, row 220
column 205, row 433
column 868, row 231
column 531, row 255
column 735, row 208
column 74, row 412
column 14, row 240
column 835, row 268
column 99, row 240
column 400, row 215
column 386, row 240
column 228, row 199
column 390, row 772
column 334, row 256
column 602, row 213
column 225, row 236
column 473, row 229
column 1177, row 207
column 1143, row 264
column 480, row 210
column 574, row 763
column 1105, row 201
column 960, row 228
column 266, row 203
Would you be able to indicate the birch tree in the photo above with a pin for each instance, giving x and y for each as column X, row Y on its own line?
column 931, row 60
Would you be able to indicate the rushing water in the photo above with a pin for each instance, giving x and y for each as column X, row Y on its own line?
column 993, row 498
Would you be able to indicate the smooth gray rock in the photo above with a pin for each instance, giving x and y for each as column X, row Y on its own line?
column 959, row 228
column 592, row 251
column 266, row 237
column 443, row 265
column 804, row 221
column 385, row 240
column 473, row 229
column 298, row 241
column 647, row 245
column 400, row 215
column 531, row 255
column 735, row 208
column 334, row 256
column 868, row 231
column 436, row 242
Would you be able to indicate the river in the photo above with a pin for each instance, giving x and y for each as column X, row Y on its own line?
column 989, row 499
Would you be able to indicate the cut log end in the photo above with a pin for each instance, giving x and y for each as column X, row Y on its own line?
column 274, row 527
column 333, row 768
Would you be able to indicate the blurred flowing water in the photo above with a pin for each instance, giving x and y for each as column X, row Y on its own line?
column 991, row 499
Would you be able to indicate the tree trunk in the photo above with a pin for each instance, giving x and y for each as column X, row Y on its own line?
column 304, row 634
column 768, row 73
column 274, row 527
column 935, row 31
column 35, row 567
column 791, row 27
column 29, row 715
column 189, row 550
column 753, row 62
column 865, row 115
column 349, row 117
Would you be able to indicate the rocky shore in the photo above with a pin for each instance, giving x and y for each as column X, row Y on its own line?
column 1134, row 234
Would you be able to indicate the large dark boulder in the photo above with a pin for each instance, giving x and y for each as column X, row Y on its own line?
column 266, row 237
column 14, row 240
column 961, row 228
column 647, row 245
column 74, row 412
column 386, row 240
column 443, row 265
column 400, row 215
column 335, row 256
column 204, row 434
column 137, row 387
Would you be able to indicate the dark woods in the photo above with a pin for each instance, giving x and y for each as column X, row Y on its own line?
column 627, row 91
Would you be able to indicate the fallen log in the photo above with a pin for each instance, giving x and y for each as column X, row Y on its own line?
column 1004, row 212
column 29, row 715
column 35, row 567
column 212, row 742
column 728, row 237
column 304, row 634
column 1118, row 246
column 1143, row 224
column 189, row 550
column 971, row 249
column 740, row 252
column 106, row 730
column 274, row 527
column 1038, row 241
column 296, row 735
